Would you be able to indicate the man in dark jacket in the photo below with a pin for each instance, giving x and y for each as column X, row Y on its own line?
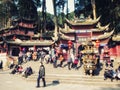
column 1, row 64
column 41, row 75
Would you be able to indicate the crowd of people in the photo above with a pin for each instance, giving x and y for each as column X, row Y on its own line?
column 58, row 58
column 52, row 56
column 63, row 58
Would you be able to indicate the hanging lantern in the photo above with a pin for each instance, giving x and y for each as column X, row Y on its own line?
column 97, row 43
column 69, row 44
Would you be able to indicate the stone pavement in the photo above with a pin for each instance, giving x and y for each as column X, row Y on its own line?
column 56, row 78
column 15, row 82
column 63, row 75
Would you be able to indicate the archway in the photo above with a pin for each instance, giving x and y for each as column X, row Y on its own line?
column 15, row 51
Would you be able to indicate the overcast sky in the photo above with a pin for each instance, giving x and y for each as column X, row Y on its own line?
column 49, row 6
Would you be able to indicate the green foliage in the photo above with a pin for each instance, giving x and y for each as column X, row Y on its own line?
column 108, row 9
column 27, row 9
column 82, row 6
column 71, row 15
column 48, row 34
column 20, row 8
column 7, row 10
column 49, row 21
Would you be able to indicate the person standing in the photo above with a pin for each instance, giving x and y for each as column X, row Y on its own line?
column 1, row 64
column 41, row 75
column 69, row 60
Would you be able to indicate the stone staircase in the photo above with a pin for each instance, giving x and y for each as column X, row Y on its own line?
column 63, row 75
column 76, row 79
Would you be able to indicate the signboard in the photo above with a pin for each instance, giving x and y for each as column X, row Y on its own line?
column 83, row 31
column 82, row 39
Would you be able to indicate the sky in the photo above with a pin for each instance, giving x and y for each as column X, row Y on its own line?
column 49, row 6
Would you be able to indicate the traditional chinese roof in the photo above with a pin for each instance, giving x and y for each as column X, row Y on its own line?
column 64, row 37
column 27, row 28
column 105, row 35
column 101, row 28
column 116, row 37
column 83, row 22
column 37, row 35
column 26, row 20
column 32, row 42
column 67, row 29
column 4, row 30
column 20, row 23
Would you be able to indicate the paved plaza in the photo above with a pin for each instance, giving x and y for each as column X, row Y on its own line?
column 17, row 82
column 13, row 82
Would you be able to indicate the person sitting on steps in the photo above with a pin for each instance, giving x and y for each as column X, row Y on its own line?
column 109, row 73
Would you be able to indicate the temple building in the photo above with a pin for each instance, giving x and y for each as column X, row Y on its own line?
column 80, row 31
column 19, row 34
column 115, row 49
column 83, row 29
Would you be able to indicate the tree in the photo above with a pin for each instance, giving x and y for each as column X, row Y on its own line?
column 8, row 9
column 110, row 12
column 28, row 9
column 60, row 5
column 82, row 7
column 43, row 16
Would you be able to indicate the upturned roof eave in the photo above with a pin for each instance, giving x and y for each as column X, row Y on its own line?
column 116, row 38
column 101, row 29
column 32, row 43
column 105, row 35
column 83, row 23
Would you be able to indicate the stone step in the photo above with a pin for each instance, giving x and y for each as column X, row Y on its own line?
column 76, row 79
column 69, row 76
column 63, row 75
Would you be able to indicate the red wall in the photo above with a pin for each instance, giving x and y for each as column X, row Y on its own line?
column 118, row 50
column 115, row 51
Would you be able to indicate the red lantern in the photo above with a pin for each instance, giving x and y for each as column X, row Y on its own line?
column 97, row 43
column 69, row 44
